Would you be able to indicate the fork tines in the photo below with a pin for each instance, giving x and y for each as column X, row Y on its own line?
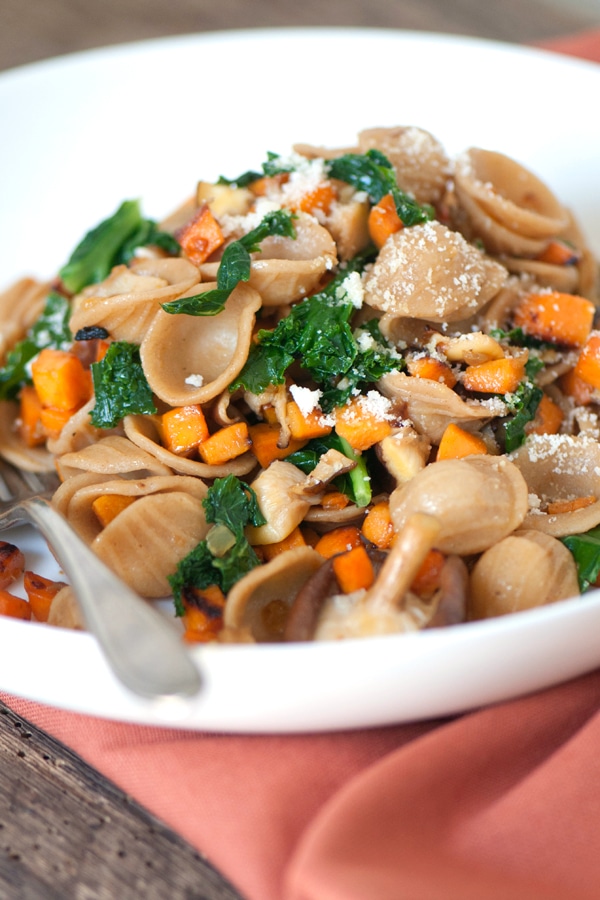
column 16, row 483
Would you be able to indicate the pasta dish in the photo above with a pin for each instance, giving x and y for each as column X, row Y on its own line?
column 353, row 392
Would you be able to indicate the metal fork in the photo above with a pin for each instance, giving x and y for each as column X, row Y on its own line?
column 143, row 649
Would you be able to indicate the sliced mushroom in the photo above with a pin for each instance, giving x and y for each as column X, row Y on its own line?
column 224, row 199
column 310, row 600
column 451, row 598
column 387, row 607
column 258, row 605
column 282, row 508
column 347, row 223
column 308, row 603
column 431, row 405
column 330, row 466
column 472, row 348
column 404, row 453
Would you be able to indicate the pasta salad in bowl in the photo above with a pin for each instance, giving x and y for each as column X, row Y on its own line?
column 335, row 415
column 351, row 393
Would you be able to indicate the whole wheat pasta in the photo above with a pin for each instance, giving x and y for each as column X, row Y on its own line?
column 347, row 394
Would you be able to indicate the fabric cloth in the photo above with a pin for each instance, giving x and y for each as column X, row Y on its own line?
column 499, row 804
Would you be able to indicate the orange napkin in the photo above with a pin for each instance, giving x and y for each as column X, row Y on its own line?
column 499, row 804
column 585, row 44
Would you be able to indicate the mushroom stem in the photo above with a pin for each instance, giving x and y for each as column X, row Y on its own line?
column 452, row 596
column 308, row 603
column 403, row 562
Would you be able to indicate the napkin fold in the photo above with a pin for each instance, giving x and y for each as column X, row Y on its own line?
column 498, row 804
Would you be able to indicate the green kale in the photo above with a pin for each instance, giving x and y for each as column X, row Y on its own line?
column 586, row 553
column 50, row 330
column 519, row 338
column 373, row 173
column 231, row 504
column 274, row 165
column 148, row 234
column 234, row 267
column 355, row 484
column 523, row 403
column 195, row 569
column 266, row 364
column 318, row 334
column 120, row 386
column 112, row 241
column 375, row 357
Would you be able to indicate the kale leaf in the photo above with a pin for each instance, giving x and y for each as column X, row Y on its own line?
column 317, row 332
column 274, row 165
column 232, row 504
column 111, row 242
column 523, row 404
column 373, row 173
column 50, row 330
column 519, row 338
column 586, row 553
column 120, row 386
column 234, row 267
column 148, row 234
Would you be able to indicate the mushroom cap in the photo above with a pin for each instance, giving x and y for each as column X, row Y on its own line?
column 478, row 501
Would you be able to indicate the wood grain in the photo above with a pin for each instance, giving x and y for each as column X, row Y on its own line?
column 65, row 831
column 35, row 29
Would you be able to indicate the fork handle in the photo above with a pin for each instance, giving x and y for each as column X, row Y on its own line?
column 143, row 649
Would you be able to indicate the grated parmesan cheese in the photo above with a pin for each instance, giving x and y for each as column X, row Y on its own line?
column 306, row 399
column 351, row 289
column 377, row 405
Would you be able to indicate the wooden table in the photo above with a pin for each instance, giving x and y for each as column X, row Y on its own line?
column 36, row 29
column 51, row 803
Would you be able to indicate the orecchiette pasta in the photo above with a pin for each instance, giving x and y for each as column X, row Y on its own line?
column 351, row 394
